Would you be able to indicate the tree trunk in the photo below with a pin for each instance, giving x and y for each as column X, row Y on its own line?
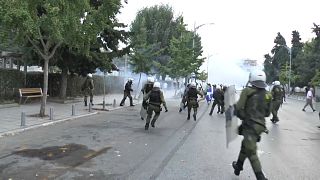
column 45, row 87
column 176, row 87
column 25, row 70
column 137, row 92
column 64, row 83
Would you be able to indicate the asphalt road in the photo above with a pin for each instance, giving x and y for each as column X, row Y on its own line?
column 114, row 145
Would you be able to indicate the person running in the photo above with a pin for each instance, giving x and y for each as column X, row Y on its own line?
column 192, row 100
column 156, row 99
column 127, row 92
column 252, row 108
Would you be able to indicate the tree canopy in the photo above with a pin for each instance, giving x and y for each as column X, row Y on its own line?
column 49, row 24
column 162, row 44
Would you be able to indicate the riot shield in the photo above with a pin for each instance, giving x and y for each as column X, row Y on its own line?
column 231, row 119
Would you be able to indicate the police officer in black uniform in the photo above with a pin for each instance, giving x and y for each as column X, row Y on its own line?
column 127, row 92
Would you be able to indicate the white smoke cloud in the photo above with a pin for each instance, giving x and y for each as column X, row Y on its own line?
column 227, row 72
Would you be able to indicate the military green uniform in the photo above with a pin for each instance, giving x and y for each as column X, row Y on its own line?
column 192, row 101
column 252, row 108
column 155, row 100
column 145, row 90
column 218, row 96
column 277, row 99
column 87, row 89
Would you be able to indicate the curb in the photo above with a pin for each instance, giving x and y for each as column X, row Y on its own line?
column 18, row 131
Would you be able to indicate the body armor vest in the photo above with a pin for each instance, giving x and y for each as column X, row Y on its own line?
column 155, row 97
column 277, row 93
column 192, row 93
column 148, row 88
column 256, row 108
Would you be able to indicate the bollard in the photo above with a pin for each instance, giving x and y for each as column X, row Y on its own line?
column 73, row 110
column 90, row 107
column 51, row 114
column 114, row 102
column 23, row 119
column 104, row 104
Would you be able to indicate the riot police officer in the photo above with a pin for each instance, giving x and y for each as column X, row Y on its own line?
column 192, row 100
column 277, row 99
column 145, row 90
column 155, row 100
column 127, row 92
column 218, row 96
column 252, row 108
column 87, row 88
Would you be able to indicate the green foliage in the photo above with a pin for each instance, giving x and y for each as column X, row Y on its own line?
column 112, row 84
column 184, row 59
column 305, row 60
column 203, row 76
column 269, row 69
column 315, row 81
column 48, row 24
column 152, row 31
column 10, row 81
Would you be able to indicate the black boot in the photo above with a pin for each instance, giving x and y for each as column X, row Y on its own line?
column 131, row 102
column 85, row 103
column 237, row 168
column 146, row 127
column 152, row 123
column 260, row 176
column 91, row 102
column 188, row 118
column 194, row 117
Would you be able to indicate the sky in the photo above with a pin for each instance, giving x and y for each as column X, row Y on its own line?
column 242, row 29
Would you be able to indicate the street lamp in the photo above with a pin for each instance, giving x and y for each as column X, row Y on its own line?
column 195, row 28
column 208, row 67
column 290, row 57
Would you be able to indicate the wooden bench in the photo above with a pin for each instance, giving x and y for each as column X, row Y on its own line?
column 29, row 93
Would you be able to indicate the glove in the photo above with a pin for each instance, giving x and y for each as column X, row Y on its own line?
column 166, row 110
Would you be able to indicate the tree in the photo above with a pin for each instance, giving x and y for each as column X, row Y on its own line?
column 308, row 61
column 184, row 57
column 153, row 28
column 47, row 24
column 203, row 76
column 296, row 44
column 269, row 69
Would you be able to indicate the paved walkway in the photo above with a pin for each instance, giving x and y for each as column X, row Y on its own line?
column 10, row 118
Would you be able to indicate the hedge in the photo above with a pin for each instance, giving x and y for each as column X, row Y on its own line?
column 12, row 80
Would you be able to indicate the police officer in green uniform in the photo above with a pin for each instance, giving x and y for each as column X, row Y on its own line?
column 127, row 92
column 252, row 108
column 145, row 90
column 218, row 100
column 277, row 99
column 155, row 100
column 87, row 88
column 192, row 100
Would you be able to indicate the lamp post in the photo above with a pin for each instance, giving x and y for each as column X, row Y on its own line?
column 208, row 67
column 195, row 28
column 290, row 59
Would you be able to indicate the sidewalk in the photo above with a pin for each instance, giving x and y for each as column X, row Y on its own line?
column 10, row 118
